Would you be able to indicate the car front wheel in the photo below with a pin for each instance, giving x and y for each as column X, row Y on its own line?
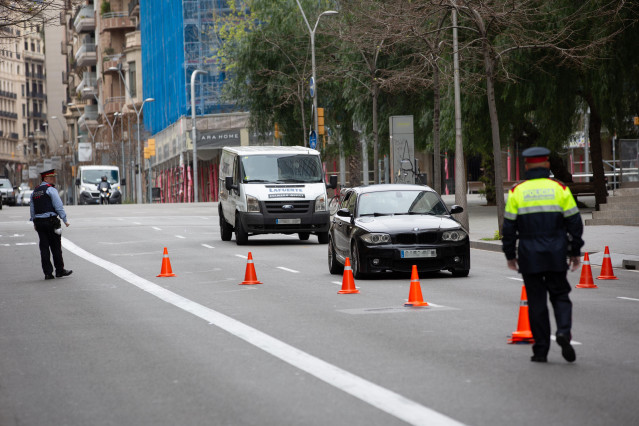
column 356, row 264
column 334, row 267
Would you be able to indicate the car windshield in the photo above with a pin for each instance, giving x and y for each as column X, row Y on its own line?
column 400, row 202
column 5, row 183
column 281, row 168
column 95, row 176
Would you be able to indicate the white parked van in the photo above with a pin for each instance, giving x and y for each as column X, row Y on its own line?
column 273, row 189
column 87, row 180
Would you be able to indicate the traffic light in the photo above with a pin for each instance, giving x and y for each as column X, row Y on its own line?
column 320, row 121
column 277, row 131
column 636, row 121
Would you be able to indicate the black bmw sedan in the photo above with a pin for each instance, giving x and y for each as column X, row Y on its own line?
column 383, row 228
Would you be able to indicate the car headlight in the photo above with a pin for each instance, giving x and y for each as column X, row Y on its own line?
column 456, row 235
column 376, row 238
column 320, row 203
column 252, row 205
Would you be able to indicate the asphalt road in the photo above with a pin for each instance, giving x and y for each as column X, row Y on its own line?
column 115, row 345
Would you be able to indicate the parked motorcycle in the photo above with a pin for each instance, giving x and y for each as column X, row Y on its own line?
column 105, row 195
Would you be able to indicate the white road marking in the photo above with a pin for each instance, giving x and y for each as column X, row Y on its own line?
column 381, row 398
column 6, row 245
column 288, row 270
column 25, row 244
column 242, row 256
column 572, row 342
column 137, row 223
column 156, row 228
column 515, row 278
column 207, row 246
column 179, row 236
column 628, row 298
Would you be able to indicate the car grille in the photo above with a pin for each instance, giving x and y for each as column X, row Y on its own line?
column 416, row 238
column 277, row 207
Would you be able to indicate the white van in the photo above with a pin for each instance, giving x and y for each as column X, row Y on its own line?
column 273, row 190
column 87, row 180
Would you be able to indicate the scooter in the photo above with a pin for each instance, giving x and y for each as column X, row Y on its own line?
column 105, row 195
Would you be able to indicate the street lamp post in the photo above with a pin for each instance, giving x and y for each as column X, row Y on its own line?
column 194, row 134
column 106, row 117
column 137, row 113
column 312, row 32
column 88, row 130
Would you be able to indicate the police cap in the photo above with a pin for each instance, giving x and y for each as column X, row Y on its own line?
column 48, row 173
column 536, row 154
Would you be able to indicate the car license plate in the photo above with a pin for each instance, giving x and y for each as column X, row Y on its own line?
column 406, row 254
column 288, row 221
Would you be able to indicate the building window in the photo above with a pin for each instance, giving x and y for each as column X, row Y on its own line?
column 132, row 80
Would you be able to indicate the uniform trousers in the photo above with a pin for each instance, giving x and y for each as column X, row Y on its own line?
column 50, row 244
column 538, row 286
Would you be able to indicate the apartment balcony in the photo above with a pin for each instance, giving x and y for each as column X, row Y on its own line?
column 85, row 20
column 37, row 114
column 88, row 87
column 114, row 104
column 63, row 48
column 134, row 8
column 6, row 94
column 133, row 41
column 36, row 94
column 8, row 114
column 90, row 117
column 14, row 136
column 34, row 56
column 110, row 61
column 116, row 21
column 86, row 55
column 38, row 75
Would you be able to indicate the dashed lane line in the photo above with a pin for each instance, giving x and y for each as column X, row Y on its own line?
column 288, row 270
column 156, row 228
column 180, row 236
column 377, row 396
column 207, row 246
column 628, row 298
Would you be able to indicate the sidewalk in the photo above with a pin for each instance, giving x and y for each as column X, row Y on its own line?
column 622, row 241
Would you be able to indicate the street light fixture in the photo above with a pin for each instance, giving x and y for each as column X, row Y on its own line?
column 314, row 83
column 137, row 113
column 193, row 134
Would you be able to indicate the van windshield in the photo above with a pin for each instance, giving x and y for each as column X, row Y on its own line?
column 95, row 176
column 281, row 168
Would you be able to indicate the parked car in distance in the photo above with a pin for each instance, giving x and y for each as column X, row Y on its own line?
column 8, row 192
column 24, row 198
column 391, row 227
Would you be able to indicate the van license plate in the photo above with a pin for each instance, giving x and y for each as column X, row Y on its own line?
column 418, row 253
column 288, row 221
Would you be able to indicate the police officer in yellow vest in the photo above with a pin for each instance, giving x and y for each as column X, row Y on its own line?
column 542, row 214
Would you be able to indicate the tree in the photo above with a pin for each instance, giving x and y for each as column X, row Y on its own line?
column 18, row 12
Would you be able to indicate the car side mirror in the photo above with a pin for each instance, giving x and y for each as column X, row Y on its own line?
column 332, row 182
column 228, row 183
column 77, row 182
column 454, row 209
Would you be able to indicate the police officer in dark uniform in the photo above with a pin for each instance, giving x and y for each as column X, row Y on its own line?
column 542, row 214
column 46, row 206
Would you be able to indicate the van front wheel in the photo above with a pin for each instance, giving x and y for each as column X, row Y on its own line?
column 226, row 230
column 322, row 237
column 241, row 236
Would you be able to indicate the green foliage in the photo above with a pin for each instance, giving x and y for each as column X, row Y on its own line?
column 105, row 7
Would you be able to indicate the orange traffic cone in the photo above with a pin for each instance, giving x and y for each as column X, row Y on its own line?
column 249, row 276
column 606, row 268
column 585, row 281
column 523, row 333
column 166, row 265
column 415, row 294
column 348, row 284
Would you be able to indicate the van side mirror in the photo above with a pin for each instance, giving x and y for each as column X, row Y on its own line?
column 77, row 182
column 332, row 181
column 343, row 213
column 228, row 183
column 123, row 182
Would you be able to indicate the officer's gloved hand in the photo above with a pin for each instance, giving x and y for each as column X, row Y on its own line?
column 575, row 261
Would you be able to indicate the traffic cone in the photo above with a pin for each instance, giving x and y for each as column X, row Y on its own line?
column 166, row 265
column 348, row 284
column 606, row 268
column 585, row 281
column 523, row 333
column 415, row 294
column 249, row 276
